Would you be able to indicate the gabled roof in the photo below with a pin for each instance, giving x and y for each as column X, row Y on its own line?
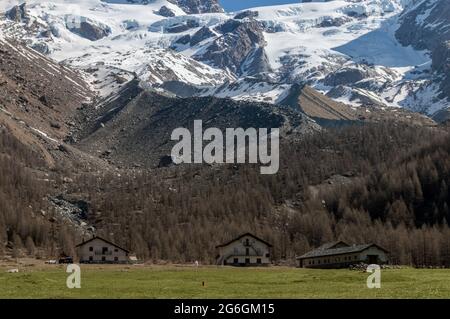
column 102, row 239
column 243, row 235
column 333, row 244
column 321, row 252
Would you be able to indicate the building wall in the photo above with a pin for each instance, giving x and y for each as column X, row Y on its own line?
column 344, row 260
column 363, row 256
column 236, row 252
column 98, row 251
column 331, row 261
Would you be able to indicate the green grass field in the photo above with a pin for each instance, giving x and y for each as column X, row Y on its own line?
column 186, row 282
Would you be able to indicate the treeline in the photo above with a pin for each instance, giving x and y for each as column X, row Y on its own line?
column 394, row 193
column 27, row 223
column 382, row 183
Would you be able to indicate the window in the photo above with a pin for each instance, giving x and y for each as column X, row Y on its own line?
column 91, row 248
column 103, row 258
column 247, row 260
column 116, row 250
column 258, row 260
column 236, row 261
column 91, row 258
column 104, row 250
column 116, row 258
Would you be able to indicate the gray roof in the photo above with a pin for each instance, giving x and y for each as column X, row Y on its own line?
column 322, row 251
column 332, row 244
column 243, row 235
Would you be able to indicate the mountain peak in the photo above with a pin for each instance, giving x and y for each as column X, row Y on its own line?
column 188, row 6
column 198, row 6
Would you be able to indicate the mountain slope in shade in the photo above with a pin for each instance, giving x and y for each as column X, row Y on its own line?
column 328, row 112
column 135, row 129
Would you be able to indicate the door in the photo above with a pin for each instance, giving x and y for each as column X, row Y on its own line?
column 372, row 259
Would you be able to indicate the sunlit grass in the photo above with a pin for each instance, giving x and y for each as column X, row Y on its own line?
column 222, row 282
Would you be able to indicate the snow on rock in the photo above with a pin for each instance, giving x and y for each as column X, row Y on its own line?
column 115, row 34
column 349, row 49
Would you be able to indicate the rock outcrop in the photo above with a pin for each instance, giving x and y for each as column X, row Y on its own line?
column 198, row 6
column 18, row 13
column 165, row 12
column 240, row 41
column 88, row 29
column 246, row 14
column 177, row 28
column 427, row 27
column 441, row 63
column 345, row 76
column 202, row 34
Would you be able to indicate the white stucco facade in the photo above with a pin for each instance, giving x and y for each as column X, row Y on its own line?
column 98, row 250
column 246, row 250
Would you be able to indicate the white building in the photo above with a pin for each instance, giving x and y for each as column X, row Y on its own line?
column 245, row 250
column 99, row 250
column 340, row 254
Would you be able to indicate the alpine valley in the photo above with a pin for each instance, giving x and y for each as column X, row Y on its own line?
column 91, row 90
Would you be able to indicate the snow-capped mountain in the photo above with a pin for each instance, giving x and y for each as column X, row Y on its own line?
column 426, row 26
column 360, row 52
column 109, row 37
column 198, row 6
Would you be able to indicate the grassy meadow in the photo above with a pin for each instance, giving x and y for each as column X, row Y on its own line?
column 221, row 282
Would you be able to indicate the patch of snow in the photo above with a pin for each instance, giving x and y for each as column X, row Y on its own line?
column 45, row 135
